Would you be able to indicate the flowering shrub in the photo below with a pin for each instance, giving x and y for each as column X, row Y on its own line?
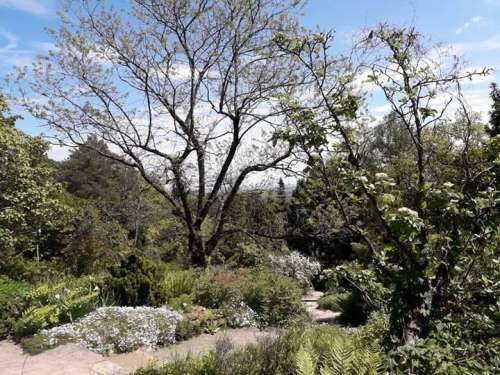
column 296, row 266
column 239, row 314
column 118, row 329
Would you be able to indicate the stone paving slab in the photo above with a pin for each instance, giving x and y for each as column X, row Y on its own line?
column 70, row 359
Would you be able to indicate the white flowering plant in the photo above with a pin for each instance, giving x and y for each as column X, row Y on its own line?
column 238, row 314
column 296, row 266
column 117, row 329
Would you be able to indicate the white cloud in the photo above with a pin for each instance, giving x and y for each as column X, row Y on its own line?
column 11, row 54
column 489, row 44
column 473, row 21
column 30, row 6
column 57, row 152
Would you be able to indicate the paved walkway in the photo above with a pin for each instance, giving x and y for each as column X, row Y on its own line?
column 71, row 359
column 64, row 360
column 310, row 301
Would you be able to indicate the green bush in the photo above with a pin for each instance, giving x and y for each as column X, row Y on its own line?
column 348, row 303
column 42, row 271
column 12, row 294
column 136, row 282
column 177, row 283
column 199, row 321
column 247, row 254
column 275, row 298
column 38, row 344
column 212, row 293
column 50, row 304
column 178, row 289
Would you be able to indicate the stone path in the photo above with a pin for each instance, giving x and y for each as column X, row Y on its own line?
column 310, row 301
column 64, row 360
column 72, row 359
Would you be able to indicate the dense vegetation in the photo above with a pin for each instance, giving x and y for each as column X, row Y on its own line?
column 153, row 229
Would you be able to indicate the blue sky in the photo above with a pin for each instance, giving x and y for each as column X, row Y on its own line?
column 471, row 26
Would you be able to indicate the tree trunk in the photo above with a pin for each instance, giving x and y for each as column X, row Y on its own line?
column 196, row 250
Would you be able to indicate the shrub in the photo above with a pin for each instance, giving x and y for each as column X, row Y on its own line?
column 12, row 294
column 200, row 320
column 238, row 314
column 50, row 304
column 349, row 304
column 178, row 283
column 117, row 329
column 276, row 299
column 247, row 254
column 136, row 282
column 204, row 365
column 453, row 348
column 296, row 266
column 213, row 293
column 42, row 271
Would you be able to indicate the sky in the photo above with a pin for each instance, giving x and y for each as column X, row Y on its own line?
column 470, row 26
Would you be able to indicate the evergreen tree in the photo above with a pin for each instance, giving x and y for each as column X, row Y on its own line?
column 117, row 191
column 281, row 193
column 494, row 128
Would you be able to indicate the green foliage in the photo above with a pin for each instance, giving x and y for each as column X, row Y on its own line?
column 334, row 351
column 247, row 254
column 38, row 344
column 275, row 298
column 12, row 295
column 117, row 192
column 321, row 350
column 50, row 304
column 349, row 304
column 92, row 244
column 494, row 128
column 30, row 208
column 212, row 293
column 357, row 292
column 178, row 283
column 136, row 282
column 199, row 321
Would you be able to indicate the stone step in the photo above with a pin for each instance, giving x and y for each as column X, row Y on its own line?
column 312, row 296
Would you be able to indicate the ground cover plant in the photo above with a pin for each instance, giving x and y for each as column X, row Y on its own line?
column 113, row 330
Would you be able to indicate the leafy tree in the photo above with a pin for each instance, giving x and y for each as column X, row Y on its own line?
column 30, row 207
column 419, row 240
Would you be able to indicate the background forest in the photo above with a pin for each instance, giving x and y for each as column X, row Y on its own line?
column 153, row 229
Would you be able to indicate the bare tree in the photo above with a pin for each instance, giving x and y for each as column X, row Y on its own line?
column 187, row 92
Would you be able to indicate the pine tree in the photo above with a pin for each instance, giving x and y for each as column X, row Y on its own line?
column 494, row 128
column 281, row 195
